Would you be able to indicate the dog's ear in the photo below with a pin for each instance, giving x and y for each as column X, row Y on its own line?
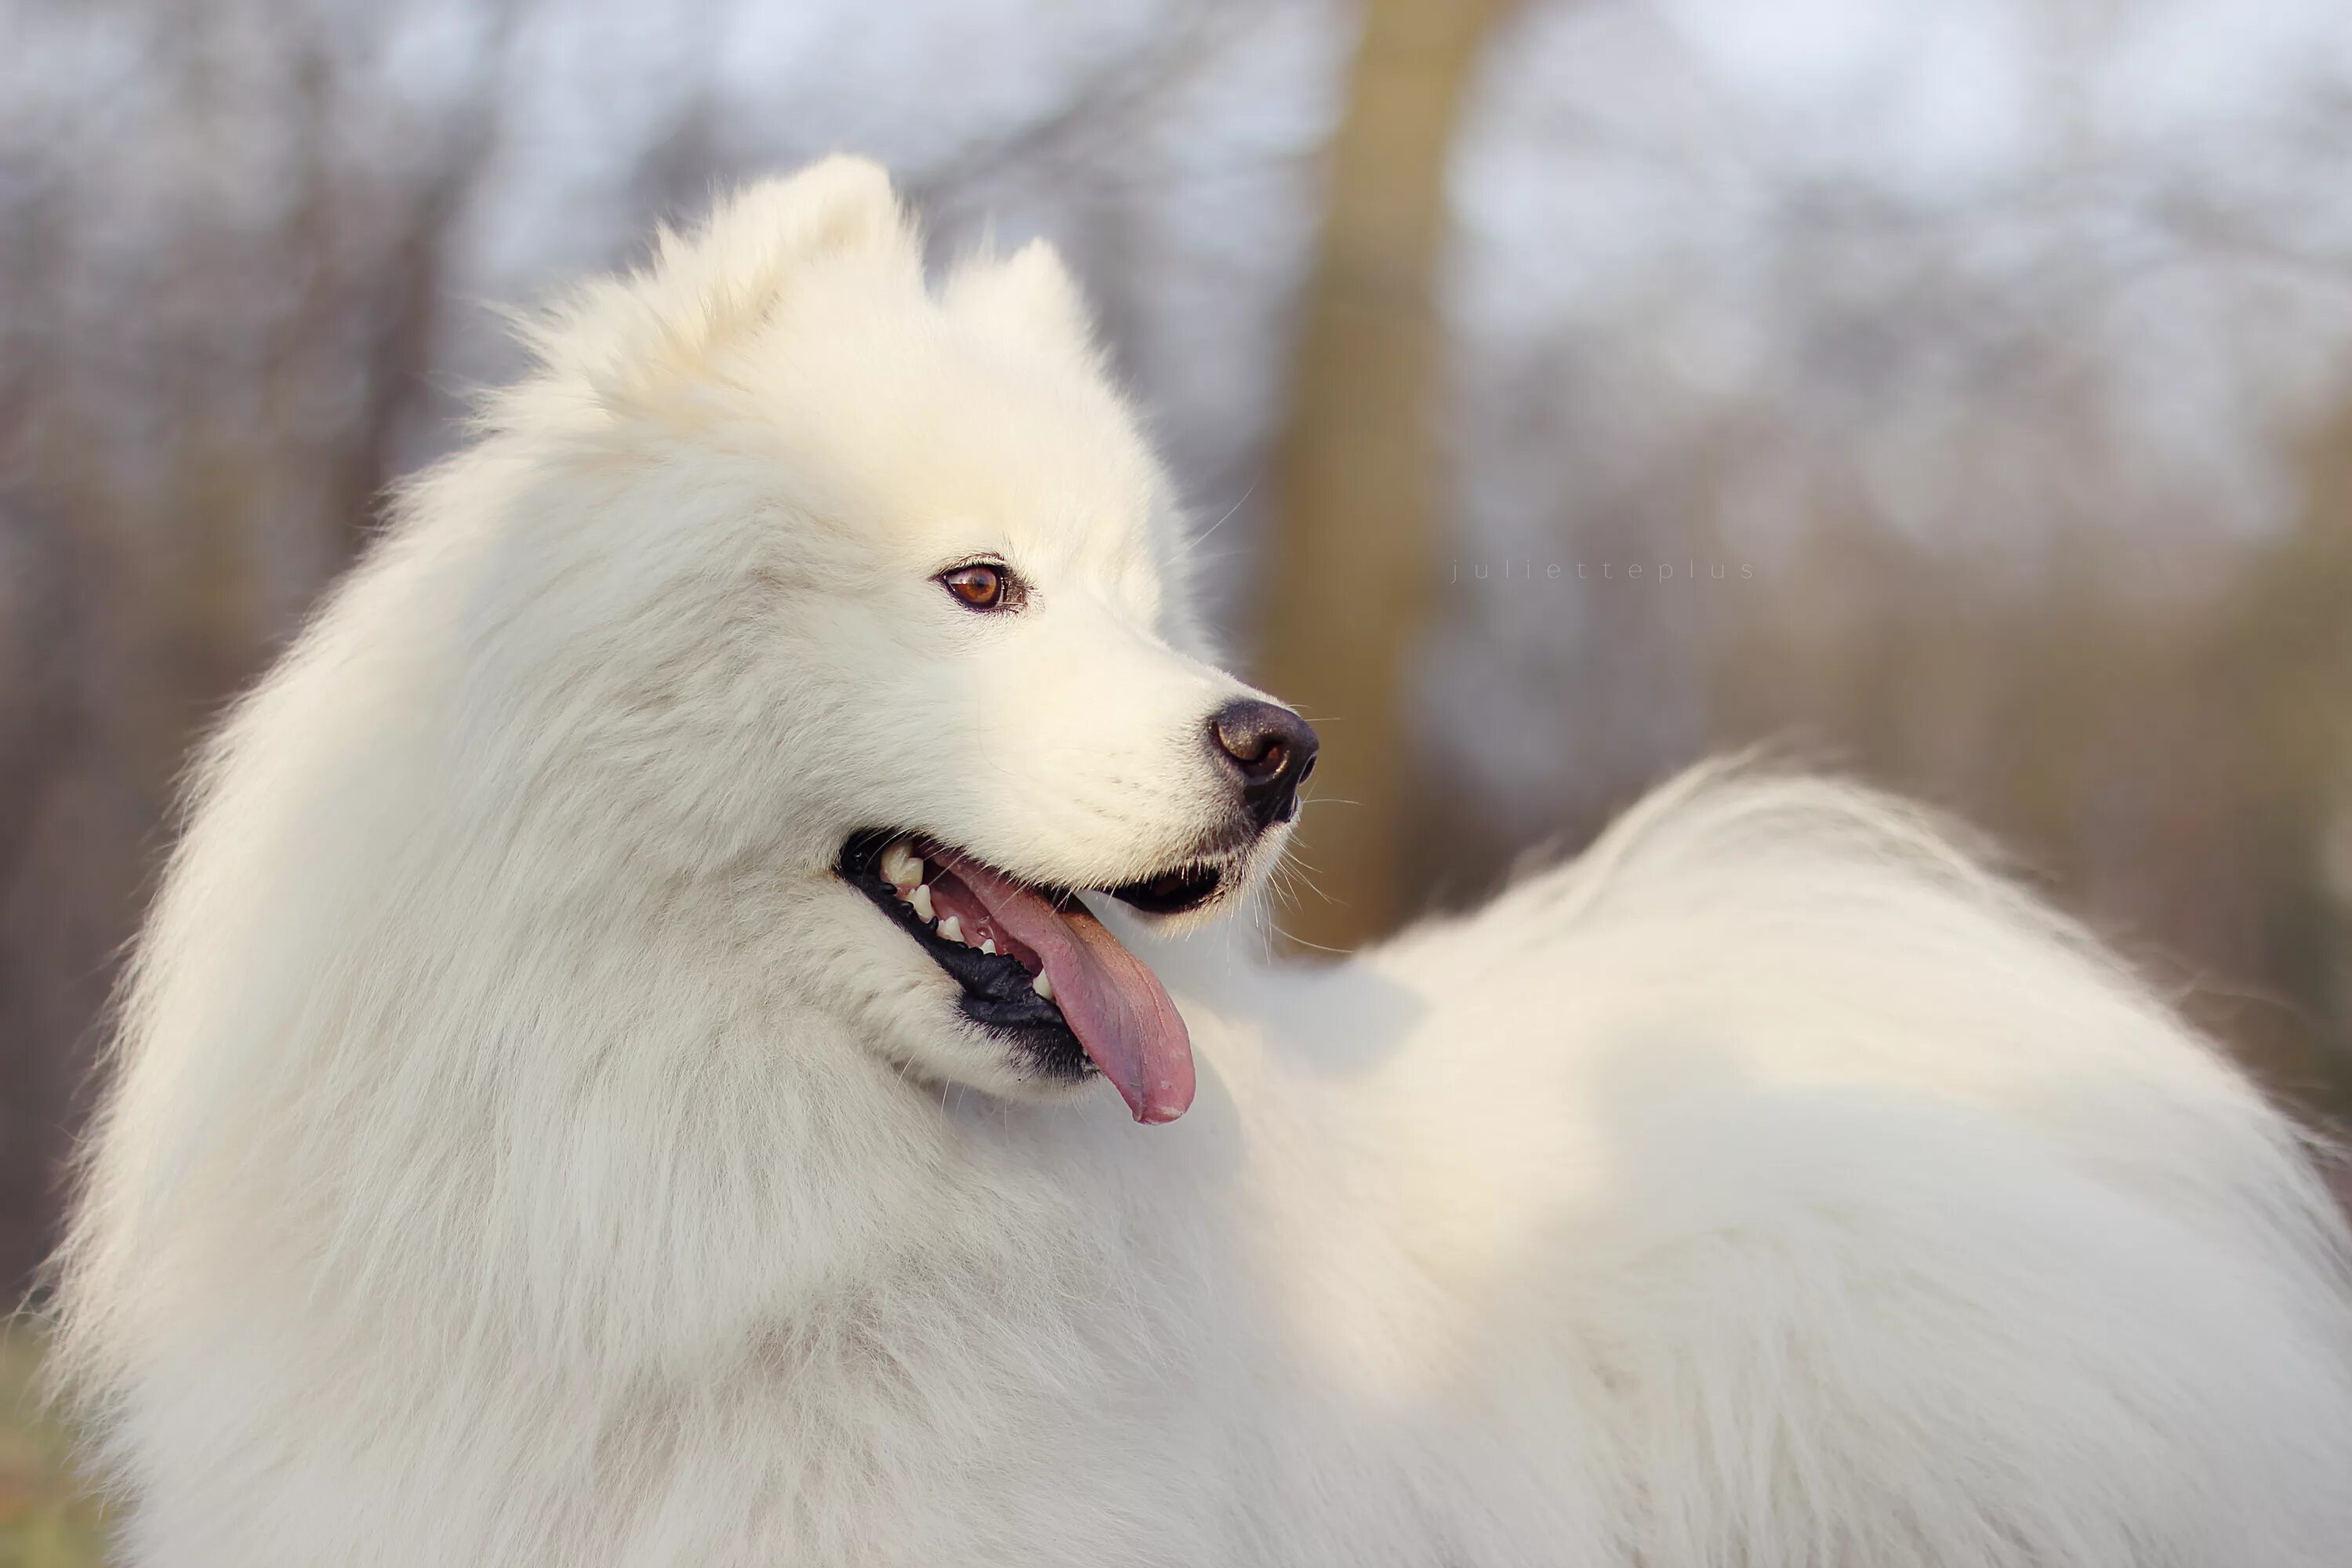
column 706, row 286
column 744, row 255
column 1028, row 298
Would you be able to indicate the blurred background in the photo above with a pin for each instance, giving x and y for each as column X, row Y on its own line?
column 1958, row 391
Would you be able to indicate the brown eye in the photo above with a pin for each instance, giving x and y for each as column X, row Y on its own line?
column 980, row 585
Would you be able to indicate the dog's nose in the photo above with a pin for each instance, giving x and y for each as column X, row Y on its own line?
column 1269, row 751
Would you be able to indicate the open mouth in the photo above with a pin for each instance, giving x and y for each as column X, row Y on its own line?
column 1037, row 968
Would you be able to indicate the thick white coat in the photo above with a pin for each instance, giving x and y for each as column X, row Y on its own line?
column 523, row 1151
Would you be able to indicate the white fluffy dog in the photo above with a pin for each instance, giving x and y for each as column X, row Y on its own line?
column 617, row 1072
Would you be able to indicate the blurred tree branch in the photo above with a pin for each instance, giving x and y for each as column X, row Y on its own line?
column 219, row 298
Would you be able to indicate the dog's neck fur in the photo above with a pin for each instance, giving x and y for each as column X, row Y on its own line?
column 716, row 1154
column 755, row 1160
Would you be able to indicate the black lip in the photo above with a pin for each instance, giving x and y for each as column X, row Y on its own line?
column 997, row 993
column 1187, row 888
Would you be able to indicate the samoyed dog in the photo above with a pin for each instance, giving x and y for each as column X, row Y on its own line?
column 688, row 1027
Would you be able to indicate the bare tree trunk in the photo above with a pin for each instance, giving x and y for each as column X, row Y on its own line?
column 185, row 468
column 1358, row 467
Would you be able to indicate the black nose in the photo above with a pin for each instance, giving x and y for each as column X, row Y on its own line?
column 1269, row 751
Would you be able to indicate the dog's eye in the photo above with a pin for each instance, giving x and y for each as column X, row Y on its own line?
column 980, row 586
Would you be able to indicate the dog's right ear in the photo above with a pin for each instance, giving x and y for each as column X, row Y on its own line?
column 1030, row 299
column 710, row 286
column 744, row 255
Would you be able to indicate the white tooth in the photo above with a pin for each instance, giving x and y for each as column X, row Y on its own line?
column 901, row 867
column 952, row 929
column 1043, row 987
column 988, row 944
column 921, row 899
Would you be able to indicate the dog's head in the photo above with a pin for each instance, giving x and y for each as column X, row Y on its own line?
column 863, row 602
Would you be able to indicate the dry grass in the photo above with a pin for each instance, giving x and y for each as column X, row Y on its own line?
column 46, row 1519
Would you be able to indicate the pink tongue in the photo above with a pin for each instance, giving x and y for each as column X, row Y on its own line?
column 1112, row 1003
